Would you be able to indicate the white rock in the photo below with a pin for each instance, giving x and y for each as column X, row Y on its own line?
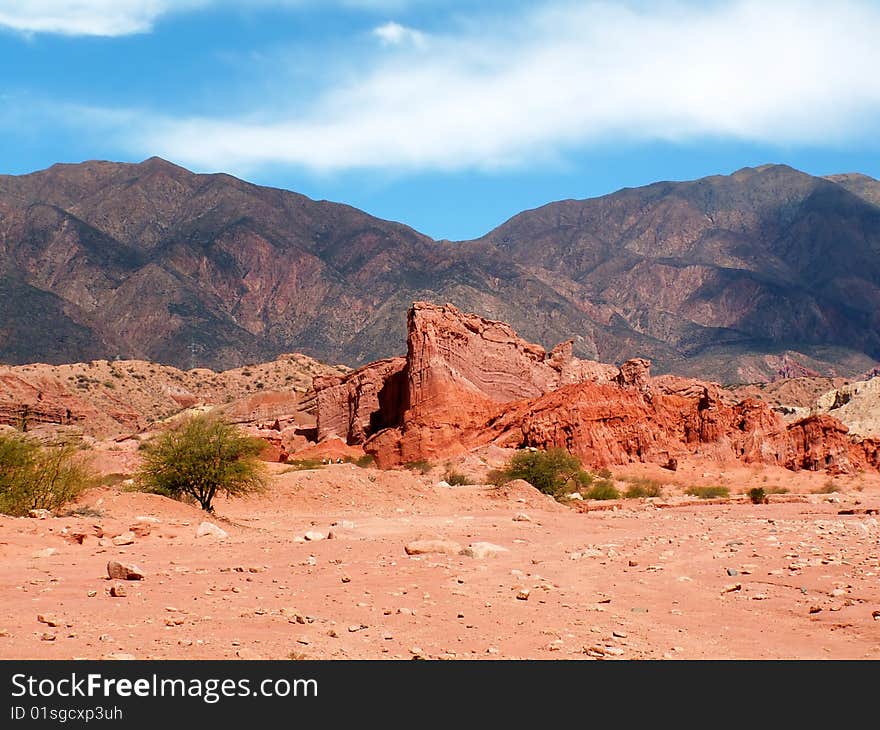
column 481, row 550
column 424, row 547
column 443, row 484
column 209, row 529
column 126, row 538
column 313, row 536
column 148, row 519
column 521, row 517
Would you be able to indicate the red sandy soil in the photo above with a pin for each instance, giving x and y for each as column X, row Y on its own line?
column 646, row 580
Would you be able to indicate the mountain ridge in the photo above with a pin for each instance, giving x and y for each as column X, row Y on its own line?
column 149, row 260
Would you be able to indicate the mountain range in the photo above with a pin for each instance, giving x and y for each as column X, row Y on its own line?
column 764, row 273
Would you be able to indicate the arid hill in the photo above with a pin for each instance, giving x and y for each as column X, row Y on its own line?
column 765, row 273
column 108, row 399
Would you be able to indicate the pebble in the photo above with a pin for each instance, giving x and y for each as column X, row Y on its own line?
column 731, row 587
column 523, row 594
column 48, row 620
column 522, row 517
column 117, row 590
column 126, row 538
column 47, row 637
column 314, row 536
column 732, row 572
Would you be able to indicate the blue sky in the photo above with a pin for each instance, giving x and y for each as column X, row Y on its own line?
column 449, row 116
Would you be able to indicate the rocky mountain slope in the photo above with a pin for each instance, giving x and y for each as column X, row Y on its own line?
column 765, row 273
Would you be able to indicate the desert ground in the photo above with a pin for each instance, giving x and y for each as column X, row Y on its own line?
column 316, row 568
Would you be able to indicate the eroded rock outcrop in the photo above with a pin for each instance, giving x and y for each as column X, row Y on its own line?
column 467, row 381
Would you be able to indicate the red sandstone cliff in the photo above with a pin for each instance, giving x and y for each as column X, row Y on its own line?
column 467, row 381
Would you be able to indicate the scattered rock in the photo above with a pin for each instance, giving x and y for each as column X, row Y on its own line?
column 731, row 587
column 39, row 514
column 875, row 615
column 313, row 536
column 117, row 590
column 523, row 594
column 126, row 538
column 48, row 637
column 522, row 517
column 209, row 529
column 48, row 620
column 425, row 547
column 443, row 484
column 732, row 572
column 124, row 571
column 815, row 609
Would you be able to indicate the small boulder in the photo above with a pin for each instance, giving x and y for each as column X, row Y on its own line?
column 424, row 547
column 209, row 529
column 482, row 550
column 126, row 538
column 117, row 590
column 39, row 514
column 124, row 571
column 314, row 536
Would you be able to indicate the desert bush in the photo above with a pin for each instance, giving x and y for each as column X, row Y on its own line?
column 707, row 492
column 421, row 466
column 603, row 489
column 455, row 478
column 829, row 487
column 554, row 471
column 303, row 465
column 364, row 462
column 757, row 495
column 33, row 476
column 201, row 457
column 643, row 487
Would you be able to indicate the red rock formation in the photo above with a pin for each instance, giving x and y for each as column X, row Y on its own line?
column 470, row 382
column 362, row 402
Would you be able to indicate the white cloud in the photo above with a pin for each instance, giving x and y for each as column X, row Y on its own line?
column 395, row 34
column 566, row 75
column 127, row 17
column 88, row 17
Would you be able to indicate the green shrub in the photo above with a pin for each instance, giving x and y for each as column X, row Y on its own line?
column 455, row 478
column 364, row 462
column 303, row 465
column 707, row 492
column 757, row 495
column 643, row 487
column 421, row 466
column 201, row 457
column 555, row 471
column 603, row 489
column 39, row 477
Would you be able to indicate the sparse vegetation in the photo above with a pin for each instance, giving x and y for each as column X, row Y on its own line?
column 364, row 462
column 555, row 471
column 39, row 477
column 757, row 495
column 201, row 457
column 711, row 492
column 303, row 465
column 829, row 487
column 421, row 466
column 455, row 478
column 603, row 489
column 640, row 487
